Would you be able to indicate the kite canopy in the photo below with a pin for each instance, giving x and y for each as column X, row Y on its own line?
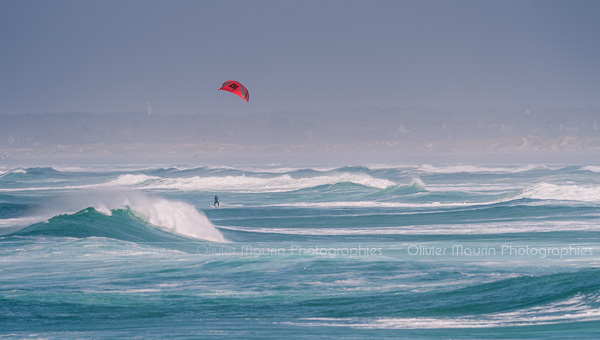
column 237, row 88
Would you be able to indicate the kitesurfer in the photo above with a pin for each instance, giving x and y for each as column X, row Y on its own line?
column 216, row 201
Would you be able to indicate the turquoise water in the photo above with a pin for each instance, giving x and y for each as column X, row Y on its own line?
column 410, row 251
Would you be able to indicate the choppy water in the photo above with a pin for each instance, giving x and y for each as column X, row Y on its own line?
column 415, row 251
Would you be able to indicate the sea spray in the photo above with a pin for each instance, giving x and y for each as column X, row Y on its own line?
column 179, row 217
column 174, row 216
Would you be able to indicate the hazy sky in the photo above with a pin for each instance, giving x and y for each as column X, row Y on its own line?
column 114, row 56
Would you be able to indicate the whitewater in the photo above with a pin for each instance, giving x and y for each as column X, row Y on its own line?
column 415, row 251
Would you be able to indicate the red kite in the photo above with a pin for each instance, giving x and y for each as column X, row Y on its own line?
column 237, row 88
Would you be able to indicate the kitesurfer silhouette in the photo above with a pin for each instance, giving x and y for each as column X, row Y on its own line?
column 216, row 201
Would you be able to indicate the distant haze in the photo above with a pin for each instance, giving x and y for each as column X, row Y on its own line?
column 358, row 132
column 291, row 127
column 79, row 77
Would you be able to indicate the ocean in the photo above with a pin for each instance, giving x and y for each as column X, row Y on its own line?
column 413, row 251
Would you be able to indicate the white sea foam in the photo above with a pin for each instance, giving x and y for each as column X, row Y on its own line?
column 179, row 217
column 576, row 309
column 176, row 216
column 242, row 183
column 72, row 169
column 132, row 180
column 452, row 229
column 245, row 183
column 571, row 192
column 5, row 171
column 592, row 168
column 500, row 188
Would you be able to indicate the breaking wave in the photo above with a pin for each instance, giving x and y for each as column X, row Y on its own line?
column 245, row 183
column 121, row 215
column 567, row 192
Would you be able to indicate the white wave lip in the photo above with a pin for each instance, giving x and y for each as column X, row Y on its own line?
column 246, row 183
column 180, row 217
column 128, row 180
column 175, row 216
column 571, row 192
column 132, row 180
column 4, row 172
column 592, row 168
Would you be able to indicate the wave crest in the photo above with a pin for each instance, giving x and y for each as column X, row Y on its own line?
column 243, row 183
column 176, row 216
column 570, row 192
column 104, row 217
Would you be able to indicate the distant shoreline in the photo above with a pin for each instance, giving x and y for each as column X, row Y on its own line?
column 526, row 149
